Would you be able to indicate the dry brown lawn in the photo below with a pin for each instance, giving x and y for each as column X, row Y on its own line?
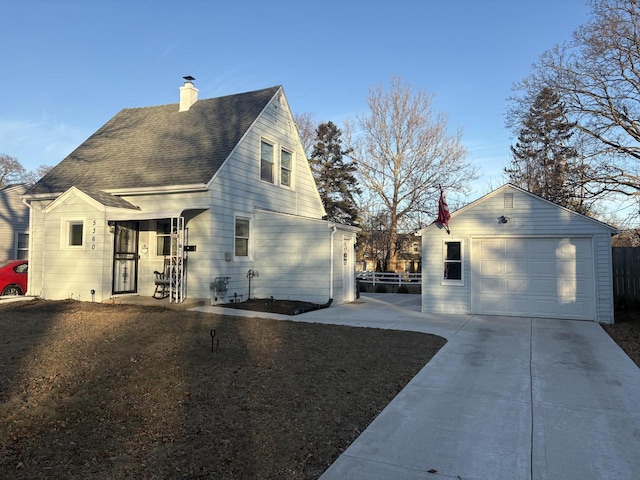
column 97, row 391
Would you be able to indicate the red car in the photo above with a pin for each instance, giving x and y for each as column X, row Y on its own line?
column 13, row 277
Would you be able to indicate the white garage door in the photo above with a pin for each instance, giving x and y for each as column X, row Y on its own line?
column 537, row 277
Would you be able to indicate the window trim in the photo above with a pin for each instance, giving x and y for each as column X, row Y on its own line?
column 163, row 235
column 445, row 281
column 19, row 250
column 65, row 237
column 273, row 161
column 281, row 168
column 249, row 255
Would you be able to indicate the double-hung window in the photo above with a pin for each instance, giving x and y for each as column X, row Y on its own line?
column 22, row 251
column 453, row 262
column 286, row 164
column 266, row 161
column 242, row 237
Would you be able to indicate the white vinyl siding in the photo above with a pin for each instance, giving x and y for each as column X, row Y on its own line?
column 59, row 271
column 292, row 255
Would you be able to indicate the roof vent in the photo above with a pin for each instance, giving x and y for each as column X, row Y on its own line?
column 508, row 200
column 188, row 94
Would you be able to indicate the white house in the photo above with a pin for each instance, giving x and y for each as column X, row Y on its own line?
column 14, row 223
column 514, row 253
column 210, row 191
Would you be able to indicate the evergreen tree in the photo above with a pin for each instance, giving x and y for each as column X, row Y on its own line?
column 544, row 162
column 334, row 176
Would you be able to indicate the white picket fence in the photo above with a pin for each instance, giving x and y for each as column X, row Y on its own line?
column 388, row 278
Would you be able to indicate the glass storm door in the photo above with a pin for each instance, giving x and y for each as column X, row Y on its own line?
column 125, row 258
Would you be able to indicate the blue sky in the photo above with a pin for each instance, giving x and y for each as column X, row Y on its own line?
column 69, row 66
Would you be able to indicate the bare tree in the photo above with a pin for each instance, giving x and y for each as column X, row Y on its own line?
column 597, row 76
column 404, row 151
column 307, row 128
column 32, row 176
column 11, row 171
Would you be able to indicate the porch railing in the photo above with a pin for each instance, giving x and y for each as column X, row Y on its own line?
column 388, row 278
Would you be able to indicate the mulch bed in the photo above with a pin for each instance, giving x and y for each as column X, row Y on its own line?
column 95, row 391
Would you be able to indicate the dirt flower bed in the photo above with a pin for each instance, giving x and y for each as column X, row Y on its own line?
column 284, row 307
column 95, row 391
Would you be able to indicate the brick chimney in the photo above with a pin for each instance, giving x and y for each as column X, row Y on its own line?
column 188, row 94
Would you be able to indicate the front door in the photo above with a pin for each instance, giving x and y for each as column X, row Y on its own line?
column 125, row 258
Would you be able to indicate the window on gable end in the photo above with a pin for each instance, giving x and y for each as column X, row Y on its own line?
column 286, row 167
column 266, row 161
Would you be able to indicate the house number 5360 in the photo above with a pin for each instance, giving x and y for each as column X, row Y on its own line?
column 93, row 234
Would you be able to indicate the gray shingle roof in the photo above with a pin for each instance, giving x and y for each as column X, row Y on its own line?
column 158, row 146
column 108, row 200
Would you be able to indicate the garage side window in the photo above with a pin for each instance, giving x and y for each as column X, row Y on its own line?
column 453, row 266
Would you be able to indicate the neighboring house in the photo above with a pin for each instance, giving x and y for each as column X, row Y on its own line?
column 14, row 223
column 514, row 253
column 409, row 256
column 210, row 191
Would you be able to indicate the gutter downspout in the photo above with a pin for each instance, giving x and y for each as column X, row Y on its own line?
column 331, row 262
column 28, row 204
column 333, row 232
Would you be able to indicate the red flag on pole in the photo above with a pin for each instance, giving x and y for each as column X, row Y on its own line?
column 443, row 211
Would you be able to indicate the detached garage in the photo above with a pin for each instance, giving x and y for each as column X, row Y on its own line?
column 514, row 253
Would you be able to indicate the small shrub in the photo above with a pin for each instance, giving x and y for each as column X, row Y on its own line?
column 381, row 289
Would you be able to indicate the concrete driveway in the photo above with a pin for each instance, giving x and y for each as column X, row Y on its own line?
column 505, row 398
